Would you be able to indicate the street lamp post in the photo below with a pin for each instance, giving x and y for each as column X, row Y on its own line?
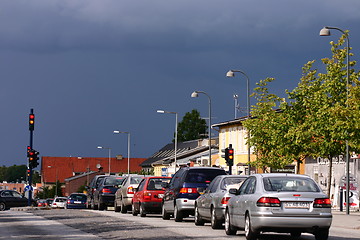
column 128, row 133
column 196, row 94
column 176, row 133
column 325, row 31
column 100, row 147
column 231, row 73
column 56, row 177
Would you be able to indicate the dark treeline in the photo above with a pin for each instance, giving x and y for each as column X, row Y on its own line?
column 16, row 173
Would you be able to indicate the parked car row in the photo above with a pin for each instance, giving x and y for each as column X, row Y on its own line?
column 272, row 202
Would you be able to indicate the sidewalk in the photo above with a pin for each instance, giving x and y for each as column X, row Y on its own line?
column 342, row 220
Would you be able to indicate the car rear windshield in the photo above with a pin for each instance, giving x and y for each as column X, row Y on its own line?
column 135, row 180
column 78, row 197
column 156, row 183
column 203, row 175
column 290, row 184
column 113, row 181
column 231, row 182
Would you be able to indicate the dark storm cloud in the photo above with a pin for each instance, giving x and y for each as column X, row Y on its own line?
column 99, row 65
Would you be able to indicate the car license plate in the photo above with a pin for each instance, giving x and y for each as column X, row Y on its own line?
column 160, row 195
column 303, row 205
column 77, row 202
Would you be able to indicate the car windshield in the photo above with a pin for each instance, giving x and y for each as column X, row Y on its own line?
column 156, row 183
column 78, row 197
column 113, row 181
column 202, row 175
column 60, row 200
column 135, row 180
column 290, row 184
column 232, row 183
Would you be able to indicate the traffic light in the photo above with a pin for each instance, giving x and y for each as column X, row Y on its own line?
column 229, row 155
column 33, row 158
column 31, row 122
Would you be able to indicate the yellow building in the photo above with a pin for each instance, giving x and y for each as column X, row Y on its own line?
column 233, row 132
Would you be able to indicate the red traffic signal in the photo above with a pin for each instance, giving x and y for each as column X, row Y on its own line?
column 31, row 122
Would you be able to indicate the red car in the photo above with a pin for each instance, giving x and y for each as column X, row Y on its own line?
column 148, row 196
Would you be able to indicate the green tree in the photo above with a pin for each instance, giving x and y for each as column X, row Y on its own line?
column 317, row 119
column 192, row 127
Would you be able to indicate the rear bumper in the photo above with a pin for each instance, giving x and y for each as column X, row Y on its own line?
column 107, row 200
column 152, row 206
column 288, row 223
column 184, row 204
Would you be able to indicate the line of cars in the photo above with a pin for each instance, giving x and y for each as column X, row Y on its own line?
column 286, row 203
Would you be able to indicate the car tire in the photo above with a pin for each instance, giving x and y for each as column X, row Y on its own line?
column 249, row 233
column 198, row 220
column 133, row 210
column 142, row 210
column 93, row 205
column 229, row 229
column 322, row 234
column 101, row 206
column 123, row 208
column 215, row 223
column 178, row 216
column 2, row 206
column 295, row 234
column 116, row 207
column 164, row 214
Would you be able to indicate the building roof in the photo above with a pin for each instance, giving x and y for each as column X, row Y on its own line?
column 60, row 168
column 168, row 151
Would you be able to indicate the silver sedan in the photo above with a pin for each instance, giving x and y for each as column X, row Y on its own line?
column 287, row 203
column 210, row 206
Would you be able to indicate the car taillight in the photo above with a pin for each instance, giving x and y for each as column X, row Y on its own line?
column 322, row 203
column 130, row 190
column 188, row 190
column 147, row 195
column 106, row 190
column 225, row 200
column 268, row 202
column 68, row 201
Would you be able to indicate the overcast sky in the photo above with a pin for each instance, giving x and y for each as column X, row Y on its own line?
column 88, row 67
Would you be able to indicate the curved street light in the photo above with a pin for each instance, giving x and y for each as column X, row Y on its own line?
column 325, row 31
column 100, row 147
column 194, row 95
column 128, row 133
column 231, row 73
column 176, row 133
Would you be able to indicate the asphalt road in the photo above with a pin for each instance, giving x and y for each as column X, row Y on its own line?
column 89, row 224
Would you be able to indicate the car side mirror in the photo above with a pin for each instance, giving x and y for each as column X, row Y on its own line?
column 233, row 191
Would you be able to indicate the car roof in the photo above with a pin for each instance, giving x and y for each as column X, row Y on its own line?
column 280, row 175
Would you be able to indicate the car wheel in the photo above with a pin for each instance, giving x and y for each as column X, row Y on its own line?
column 215, row 223
column 2, row 206
column 198, row 220
column 142, row 210
column 164, row 214
column 229, row 229
column 322, row 234
column 93, row 205
column 133, row 209
column 178, row 216
column 249, row 233
column 101, row 206
column 123, row 208
column 116, row 207
column 295, row 234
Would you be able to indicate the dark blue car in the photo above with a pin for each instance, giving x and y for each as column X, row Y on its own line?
column 76, row 200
